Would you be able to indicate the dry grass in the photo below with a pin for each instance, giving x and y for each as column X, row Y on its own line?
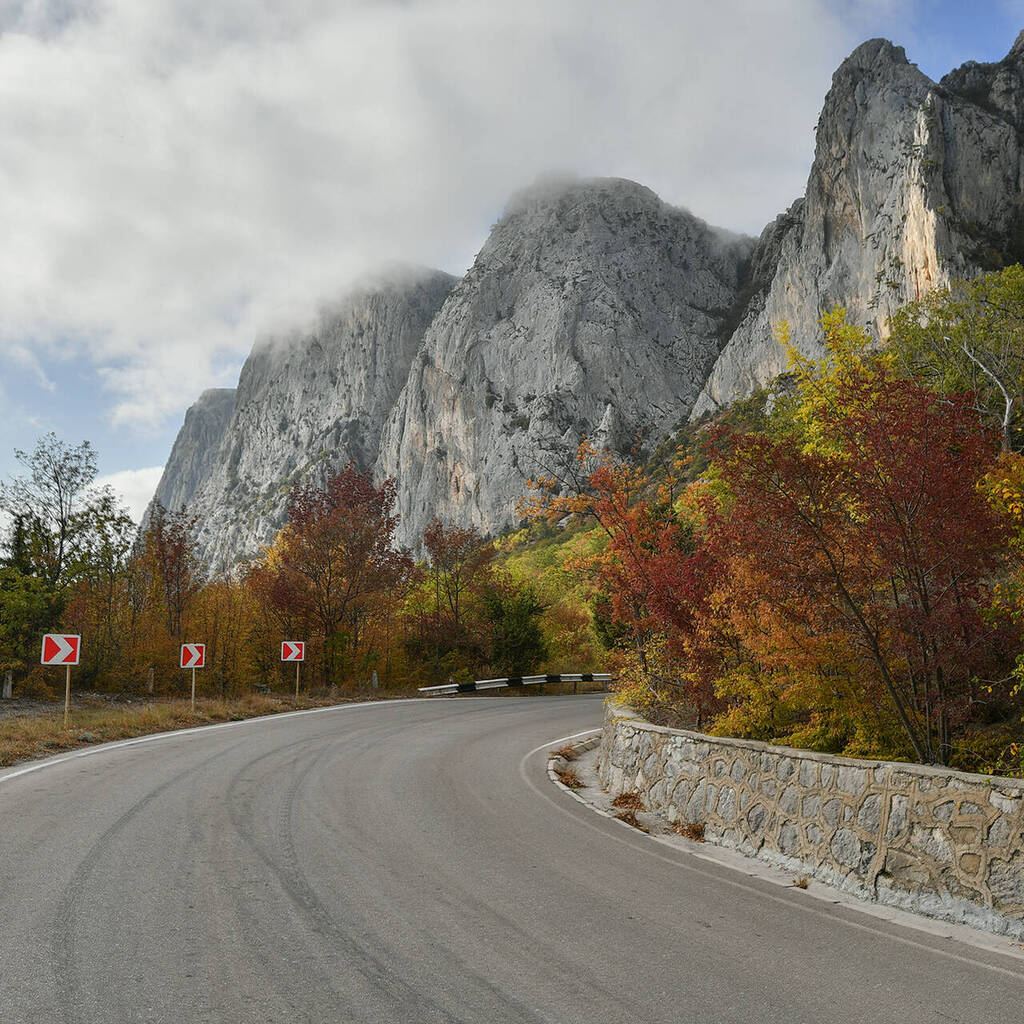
column 801, row 882
column 567, row 753
column 40, row 735
column 693, row 830
column 631, row 819
column 629, row 802
column 567, row 777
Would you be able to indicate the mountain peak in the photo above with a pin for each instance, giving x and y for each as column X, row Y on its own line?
column 873, row 54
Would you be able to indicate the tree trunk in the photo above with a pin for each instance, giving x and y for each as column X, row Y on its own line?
column 7, row 685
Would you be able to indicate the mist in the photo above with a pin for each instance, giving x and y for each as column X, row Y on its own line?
column 180, row 177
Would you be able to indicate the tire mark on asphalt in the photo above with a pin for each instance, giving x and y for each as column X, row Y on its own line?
column 498, row 999
column 63, row 959
column 295, row 887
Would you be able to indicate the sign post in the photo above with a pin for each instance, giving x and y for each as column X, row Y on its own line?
column 294, row 650
column 193, row 656
column 62, row 649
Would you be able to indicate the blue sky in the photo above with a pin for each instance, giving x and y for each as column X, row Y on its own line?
column 180, row 177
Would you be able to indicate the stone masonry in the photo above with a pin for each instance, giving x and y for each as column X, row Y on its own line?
column 929, row 839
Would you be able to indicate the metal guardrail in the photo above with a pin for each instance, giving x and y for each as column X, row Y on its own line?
column 515, row 681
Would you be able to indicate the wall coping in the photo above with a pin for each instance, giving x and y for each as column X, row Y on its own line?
column 624, row 713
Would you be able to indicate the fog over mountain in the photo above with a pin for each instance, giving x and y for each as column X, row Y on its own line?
column 596, row 308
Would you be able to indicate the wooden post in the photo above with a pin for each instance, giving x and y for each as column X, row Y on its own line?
column 67, row 697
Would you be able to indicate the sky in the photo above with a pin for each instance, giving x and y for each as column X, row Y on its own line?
column 178, row 177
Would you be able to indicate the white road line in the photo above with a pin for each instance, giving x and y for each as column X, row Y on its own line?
column 822, row 893
column 99, row 748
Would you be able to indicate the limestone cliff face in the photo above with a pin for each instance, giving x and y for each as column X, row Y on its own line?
column 306, row 404
column 195, row 449
column 913, row 183
column 594, row 308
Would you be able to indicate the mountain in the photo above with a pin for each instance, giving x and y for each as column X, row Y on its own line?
column 596, row 308
column 913, row 184
column 193, row 457
column 307, row 402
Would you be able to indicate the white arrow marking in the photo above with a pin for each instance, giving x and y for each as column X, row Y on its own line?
column 66, row 650
column 191, row 654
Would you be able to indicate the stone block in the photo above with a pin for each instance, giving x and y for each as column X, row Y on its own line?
column 727, row 803
column 851, row 780
column 790, row 799
column 830, row 811
column 756, row 818
column 846, row 848
column 789, row 839
column 898, row 806
column 1006, row 881
column 869, row 817
column 998, row 833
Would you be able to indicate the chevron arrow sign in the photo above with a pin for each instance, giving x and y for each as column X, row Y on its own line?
column 193, row 655
column 60, row 649
column 293, row 650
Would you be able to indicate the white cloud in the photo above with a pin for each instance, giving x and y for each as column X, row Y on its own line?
column 179, row 176
column 135, row 487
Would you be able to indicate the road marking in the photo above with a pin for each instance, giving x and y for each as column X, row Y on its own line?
column 50, row 762
column 903, row 919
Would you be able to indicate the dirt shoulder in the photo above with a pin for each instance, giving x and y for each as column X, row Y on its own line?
column 31, row 729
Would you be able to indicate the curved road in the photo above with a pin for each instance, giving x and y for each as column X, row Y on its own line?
column 408, row 862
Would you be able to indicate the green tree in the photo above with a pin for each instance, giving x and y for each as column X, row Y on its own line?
column 969, row 337
column 518, row 644
column 55, row 510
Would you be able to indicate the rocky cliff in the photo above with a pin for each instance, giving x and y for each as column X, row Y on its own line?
column 913, row 183
column 596, row 308
column 193, row 457
column 306, row 403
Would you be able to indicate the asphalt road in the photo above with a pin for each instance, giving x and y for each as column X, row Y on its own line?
column 409, row 862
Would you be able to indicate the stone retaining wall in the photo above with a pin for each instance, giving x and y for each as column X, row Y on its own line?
column 933, row 840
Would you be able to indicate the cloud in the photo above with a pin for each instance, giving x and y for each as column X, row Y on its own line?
column 180, row 176
column 135, row 487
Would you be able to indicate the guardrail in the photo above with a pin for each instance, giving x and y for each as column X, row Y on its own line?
column 515, row 681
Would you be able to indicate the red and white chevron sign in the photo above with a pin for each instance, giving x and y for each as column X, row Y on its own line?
column 60, row 649
column 193, row 655
column 293, row 650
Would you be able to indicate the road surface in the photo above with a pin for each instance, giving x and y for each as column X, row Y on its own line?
column 411, row 862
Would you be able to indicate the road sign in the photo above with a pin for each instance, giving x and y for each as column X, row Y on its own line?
column 60, row 649
column 193, row 655
column 293, row 650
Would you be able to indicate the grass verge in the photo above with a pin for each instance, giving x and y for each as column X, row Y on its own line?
column 34, row 736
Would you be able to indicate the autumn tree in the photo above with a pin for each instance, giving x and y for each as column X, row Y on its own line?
column 650, row 579
column 458, row 566
column 860, row 538
column 170, row 543
column 336, row 557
